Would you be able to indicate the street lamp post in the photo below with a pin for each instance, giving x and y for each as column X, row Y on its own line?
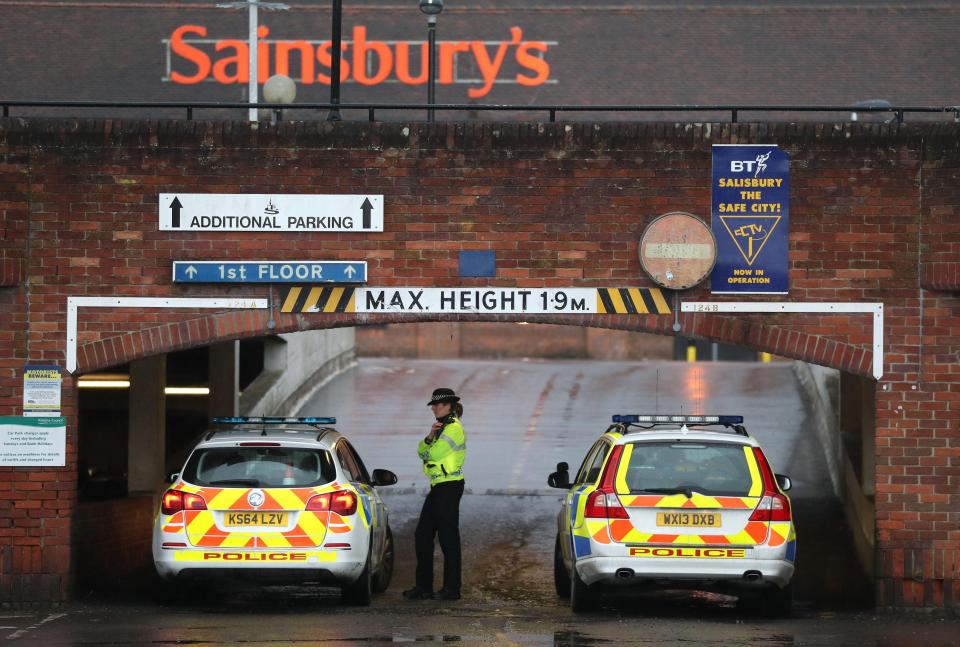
column 335, row 38
column 252, row 25
column 432, row 8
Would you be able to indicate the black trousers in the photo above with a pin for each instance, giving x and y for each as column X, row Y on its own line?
column 440, row 516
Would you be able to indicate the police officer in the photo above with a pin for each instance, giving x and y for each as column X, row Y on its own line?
column 442, row 451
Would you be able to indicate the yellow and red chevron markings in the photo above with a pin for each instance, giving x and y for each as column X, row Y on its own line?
column 310, row 530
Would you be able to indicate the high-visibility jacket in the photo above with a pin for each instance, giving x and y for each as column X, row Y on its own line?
column 443, row 458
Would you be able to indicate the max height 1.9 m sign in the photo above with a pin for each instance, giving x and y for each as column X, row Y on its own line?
column 750, row 215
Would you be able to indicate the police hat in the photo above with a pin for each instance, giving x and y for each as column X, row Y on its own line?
column 443, row 395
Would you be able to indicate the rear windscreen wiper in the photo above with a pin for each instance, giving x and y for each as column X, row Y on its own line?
column 240, row 482
column 670, row 490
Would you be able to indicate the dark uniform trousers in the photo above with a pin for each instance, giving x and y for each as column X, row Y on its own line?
column 440, row 516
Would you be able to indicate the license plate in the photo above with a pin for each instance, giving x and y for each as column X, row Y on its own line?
column 255, row 519
column 689, row 519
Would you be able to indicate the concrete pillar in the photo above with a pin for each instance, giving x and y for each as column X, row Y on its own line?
column 223, row 378
column 868, row 434
column 147, row 432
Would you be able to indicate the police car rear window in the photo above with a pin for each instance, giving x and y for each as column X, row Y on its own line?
column 674, row 467
column 259, row 467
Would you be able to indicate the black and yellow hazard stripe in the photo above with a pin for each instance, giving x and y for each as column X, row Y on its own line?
column 319, row 299
column 631, row 301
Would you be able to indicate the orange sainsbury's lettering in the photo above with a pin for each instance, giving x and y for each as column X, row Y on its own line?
column 489, row 69
column 191, row 53
column 533, row 63
column 325, row 58
column 193, row 58
column 384, row 58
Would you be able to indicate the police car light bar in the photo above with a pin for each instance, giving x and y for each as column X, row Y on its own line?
column 273, row 420
column 660, row 419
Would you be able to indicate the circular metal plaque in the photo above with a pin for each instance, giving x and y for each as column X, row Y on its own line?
column 677, row 250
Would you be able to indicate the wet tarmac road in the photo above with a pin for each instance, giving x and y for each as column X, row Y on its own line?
column 521, row 418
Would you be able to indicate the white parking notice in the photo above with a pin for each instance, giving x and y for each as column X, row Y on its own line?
column 33, row 442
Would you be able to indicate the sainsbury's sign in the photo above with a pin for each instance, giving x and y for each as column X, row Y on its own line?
column 193, row 57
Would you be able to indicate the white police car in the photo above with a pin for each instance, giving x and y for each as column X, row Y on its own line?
column 277, row 500
column 675, row 502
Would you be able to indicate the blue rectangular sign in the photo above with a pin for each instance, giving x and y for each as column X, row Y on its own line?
column 750, row 216
column 270, row 272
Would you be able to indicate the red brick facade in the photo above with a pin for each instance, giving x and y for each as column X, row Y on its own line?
column 562, row 205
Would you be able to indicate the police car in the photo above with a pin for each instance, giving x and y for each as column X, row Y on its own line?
column 667, row 501
column 276, row 500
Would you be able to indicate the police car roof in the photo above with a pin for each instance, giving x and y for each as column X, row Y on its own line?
column 282, row 434
column 691, row 434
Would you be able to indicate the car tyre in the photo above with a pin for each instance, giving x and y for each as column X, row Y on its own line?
column 582, row 596
column 561, row 580
column 385, row 573
column 360, row 592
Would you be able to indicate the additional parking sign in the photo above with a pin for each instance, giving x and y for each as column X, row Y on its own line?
column 750, row 216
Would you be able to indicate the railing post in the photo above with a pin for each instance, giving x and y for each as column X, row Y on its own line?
column 733, row 116
column 189, row 113
column 899, row 116
column 370, row 115
column 553, row 115
column 6, row 110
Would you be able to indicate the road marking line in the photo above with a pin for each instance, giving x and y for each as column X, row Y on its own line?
column 22, row 632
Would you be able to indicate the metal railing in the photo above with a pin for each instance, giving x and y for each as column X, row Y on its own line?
column 896, row 112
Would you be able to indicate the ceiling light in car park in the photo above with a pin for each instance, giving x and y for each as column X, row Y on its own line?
column 104, row 381
column 122, row 381
column 187, row 390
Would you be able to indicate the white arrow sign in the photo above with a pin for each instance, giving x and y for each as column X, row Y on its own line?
column 349, row 271
column 191, row 271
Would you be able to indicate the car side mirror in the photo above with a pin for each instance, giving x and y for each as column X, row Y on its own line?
column 784, row 482
column 384, row 477
column 561, row 478
column 172, row 478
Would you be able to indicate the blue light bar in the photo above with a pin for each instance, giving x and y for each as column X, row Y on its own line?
column 634, row 418
column 273, row 420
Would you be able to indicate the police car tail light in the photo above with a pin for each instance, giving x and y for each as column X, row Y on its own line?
column 175, row 501
column 604, row 505
column 774, row 506
column 343, row 502
column 319, row 503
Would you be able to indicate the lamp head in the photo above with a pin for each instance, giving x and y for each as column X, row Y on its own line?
column 279, row 88
column 431, row 7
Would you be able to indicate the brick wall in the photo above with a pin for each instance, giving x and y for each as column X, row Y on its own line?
column 111, row 544
column 562, row 205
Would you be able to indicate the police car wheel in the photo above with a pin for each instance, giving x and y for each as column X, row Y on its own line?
column 385, row 573
column 360, row 592
column 561, row 580
column 582, row 596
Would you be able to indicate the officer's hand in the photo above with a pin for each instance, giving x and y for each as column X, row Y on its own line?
column 436, row 428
